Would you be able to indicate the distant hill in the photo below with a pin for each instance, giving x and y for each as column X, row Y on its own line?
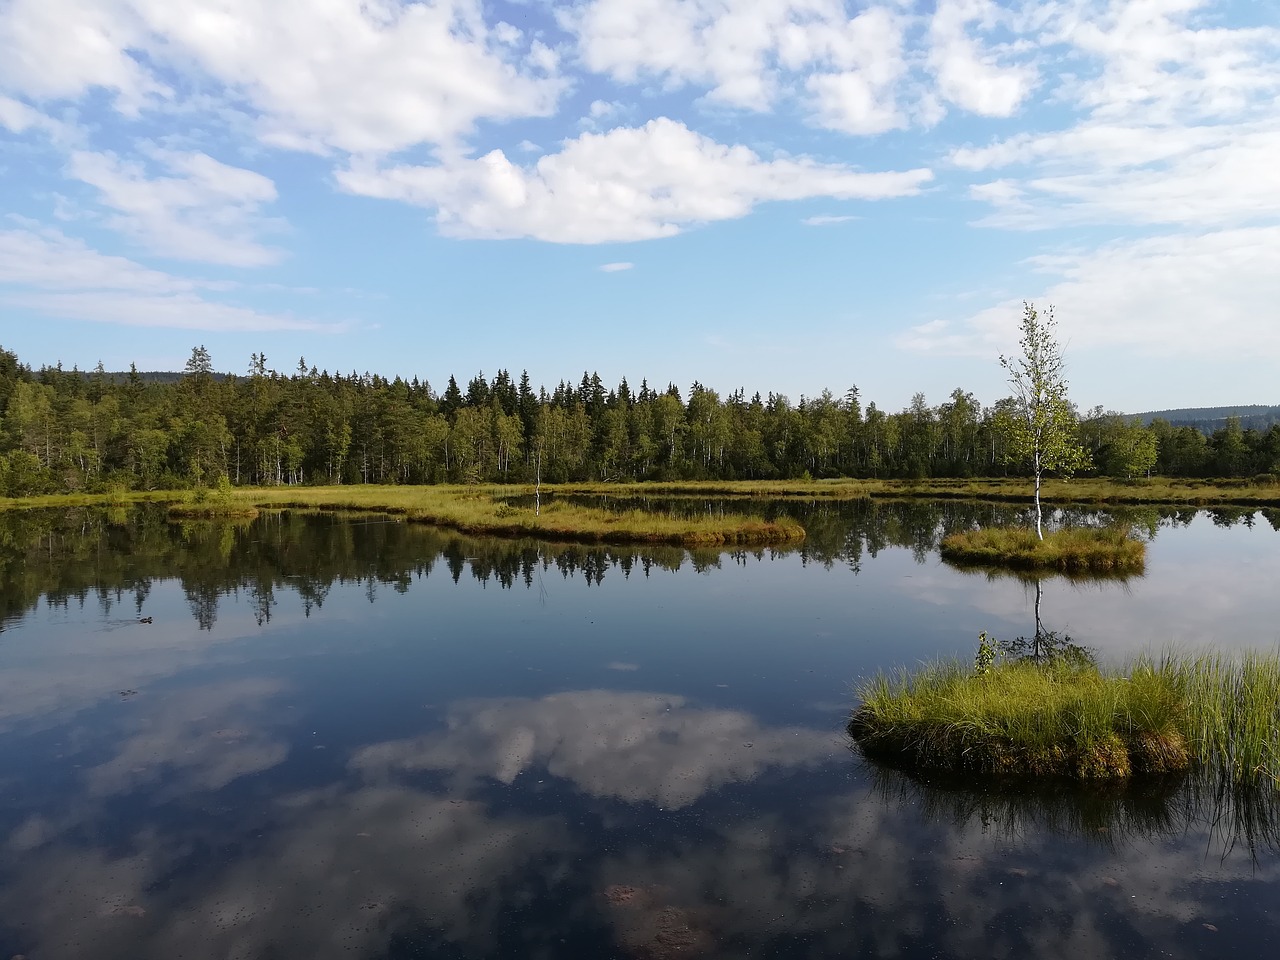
column 147, row 376
column 1209, row 419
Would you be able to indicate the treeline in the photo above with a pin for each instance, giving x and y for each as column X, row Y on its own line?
column 63, row 430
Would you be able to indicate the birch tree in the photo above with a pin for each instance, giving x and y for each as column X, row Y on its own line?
column 1042, row 428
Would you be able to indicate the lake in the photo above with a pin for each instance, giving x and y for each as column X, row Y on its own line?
column 311, row 736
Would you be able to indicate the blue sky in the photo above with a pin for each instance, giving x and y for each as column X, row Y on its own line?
column 777, row 195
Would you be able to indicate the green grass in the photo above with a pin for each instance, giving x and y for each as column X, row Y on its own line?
column 1072, row 550
column 1212, row 712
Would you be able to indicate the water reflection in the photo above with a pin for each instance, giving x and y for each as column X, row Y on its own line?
column 113, row 557
column 353, row 737
column 1121, row 816
column 630, row 746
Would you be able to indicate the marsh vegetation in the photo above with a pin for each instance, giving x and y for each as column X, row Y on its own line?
column 1070, row 550
column 1066, row 716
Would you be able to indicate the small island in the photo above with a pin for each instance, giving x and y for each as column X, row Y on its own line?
column 1093, row 550
column 1064, row 716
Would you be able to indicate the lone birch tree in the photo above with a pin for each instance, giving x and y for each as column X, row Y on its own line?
column 1042, row 428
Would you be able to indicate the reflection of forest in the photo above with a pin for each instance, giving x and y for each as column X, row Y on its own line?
column 1114, row 815
column 112, row 557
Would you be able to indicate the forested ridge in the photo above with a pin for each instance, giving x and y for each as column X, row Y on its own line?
column 69, row 430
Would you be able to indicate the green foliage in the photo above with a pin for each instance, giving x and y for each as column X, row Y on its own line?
column 984, row 661
column 81, row 432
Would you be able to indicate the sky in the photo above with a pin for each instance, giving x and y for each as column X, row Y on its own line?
column 773, row 195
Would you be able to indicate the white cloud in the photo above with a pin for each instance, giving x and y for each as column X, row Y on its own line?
column 1177, row 125
column 981, row 78
column 50, row 260
column 751, row 54
column 1233, row 180
column 357, row 76
column 207, row 211
column 59, row 276
column 1191, row 294
column 615, row 267
column 860, row 95
column 628, row 184
column 1166, row 60
column 61, row 49
column 18, row 117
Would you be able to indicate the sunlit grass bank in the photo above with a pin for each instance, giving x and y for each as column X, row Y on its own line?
column 481, row 510
column 1212, row 712
column 1088, row 490
column 1098, row 491
column 1072, row 550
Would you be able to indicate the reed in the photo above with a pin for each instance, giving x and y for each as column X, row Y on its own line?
column 1073, row 550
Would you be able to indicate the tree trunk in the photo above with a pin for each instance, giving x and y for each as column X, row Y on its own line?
column 1039, row 524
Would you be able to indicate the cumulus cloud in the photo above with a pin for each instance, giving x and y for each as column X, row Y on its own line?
column 62, row 49
column 363, row 77
column 632, row 183
column 987, row 79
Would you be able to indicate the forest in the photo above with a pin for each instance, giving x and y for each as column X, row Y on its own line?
column 94, row 431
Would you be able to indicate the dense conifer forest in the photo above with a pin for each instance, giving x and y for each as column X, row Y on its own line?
column 71, row 431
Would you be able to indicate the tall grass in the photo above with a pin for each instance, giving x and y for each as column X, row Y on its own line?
column 1231, row 711
column 1214, row 712
column 1072, row 550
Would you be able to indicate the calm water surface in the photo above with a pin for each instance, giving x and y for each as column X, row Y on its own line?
column 343, row 737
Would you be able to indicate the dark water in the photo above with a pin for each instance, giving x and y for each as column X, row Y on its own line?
column 344, row 737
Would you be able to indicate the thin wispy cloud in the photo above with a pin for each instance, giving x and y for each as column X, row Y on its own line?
column 826, row 220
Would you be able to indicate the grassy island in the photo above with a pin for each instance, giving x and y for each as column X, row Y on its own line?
column 1073, row 550
column 503, row 511
column 1070, row 718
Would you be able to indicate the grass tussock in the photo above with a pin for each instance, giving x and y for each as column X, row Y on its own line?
column 1212, row 712
column 1073, row 550
column 485, row 511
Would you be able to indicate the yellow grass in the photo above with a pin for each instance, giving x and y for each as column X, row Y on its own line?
column 482, row 510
